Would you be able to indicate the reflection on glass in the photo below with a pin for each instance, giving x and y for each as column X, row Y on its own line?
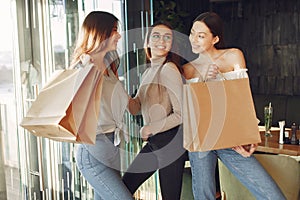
column 58, row 33
column 60, row 21
column 8, row 126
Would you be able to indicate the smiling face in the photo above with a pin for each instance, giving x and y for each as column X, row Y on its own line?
column 112, row 41
column 201, row 38
column 160, row 41
column 110, row 44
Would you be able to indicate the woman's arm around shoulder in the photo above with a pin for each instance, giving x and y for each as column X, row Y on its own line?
column 188, row 70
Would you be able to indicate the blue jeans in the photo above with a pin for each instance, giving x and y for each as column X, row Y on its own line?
column 100, row 165
column 248, row 170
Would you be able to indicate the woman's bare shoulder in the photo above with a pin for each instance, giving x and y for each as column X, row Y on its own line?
column 233, row 52
column 235, row 56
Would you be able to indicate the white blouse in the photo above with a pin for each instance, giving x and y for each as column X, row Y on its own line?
column 113, row 103
column 236, row 74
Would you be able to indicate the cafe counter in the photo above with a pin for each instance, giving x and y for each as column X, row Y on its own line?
column 271, row 144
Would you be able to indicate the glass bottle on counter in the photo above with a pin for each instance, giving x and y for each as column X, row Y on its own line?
column 294, row 134
column 286, row 138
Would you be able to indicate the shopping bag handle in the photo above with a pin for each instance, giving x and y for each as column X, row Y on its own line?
column 222, row 75
column 205, row 77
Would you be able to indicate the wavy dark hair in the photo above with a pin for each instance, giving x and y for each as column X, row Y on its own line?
column 173, row 54
column 215, row 24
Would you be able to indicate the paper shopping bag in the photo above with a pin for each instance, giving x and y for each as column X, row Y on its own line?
column 218, row 115
column 67, row 107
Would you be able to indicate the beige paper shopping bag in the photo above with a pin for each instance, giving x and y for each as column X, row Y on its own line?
column 66, row 109
column 218, row 115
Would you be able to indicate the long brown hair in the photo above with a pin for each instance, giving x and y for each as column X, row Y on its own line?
column 96, row 28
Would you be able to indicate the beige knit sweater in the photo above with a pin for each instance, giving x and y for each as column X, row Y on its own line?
column 160, row 95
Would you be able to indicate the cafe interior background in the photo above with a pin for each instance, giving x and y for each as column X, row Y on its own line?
column 38, row 36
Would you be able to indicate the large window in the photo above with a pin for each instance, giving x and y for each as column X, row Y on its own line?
column 39, row 38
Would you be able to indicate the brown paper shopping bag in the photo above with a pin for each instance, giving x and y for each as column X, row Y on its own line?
column 66, row 109
column 218, row 115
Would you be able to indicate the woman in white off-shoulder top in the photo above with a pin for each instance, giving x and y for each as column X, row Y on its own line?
column 206, row 39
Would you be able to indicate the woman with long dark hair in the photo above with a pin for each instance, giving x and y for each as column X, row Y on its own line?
column 207, row 41
column 159, row 98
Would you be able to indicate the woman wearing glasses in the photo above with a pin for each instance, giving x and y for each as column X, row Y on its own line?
column 159, row 98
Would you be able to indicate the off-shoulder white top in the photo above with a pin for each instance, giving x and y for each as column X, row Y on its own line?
column 236, row 74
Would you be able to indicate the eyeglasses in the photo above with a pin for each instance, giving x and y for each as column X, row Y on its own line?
column 156, row 37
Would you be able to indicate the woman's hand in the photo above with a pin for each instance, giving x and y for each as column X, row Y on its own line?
column 145, row 133
column 212, row 71
column 246, row 150
column 134, row 105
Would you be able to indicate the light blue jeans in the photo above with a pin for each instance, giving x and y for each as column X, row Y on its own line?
column 100, row 165
column 248, row 170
